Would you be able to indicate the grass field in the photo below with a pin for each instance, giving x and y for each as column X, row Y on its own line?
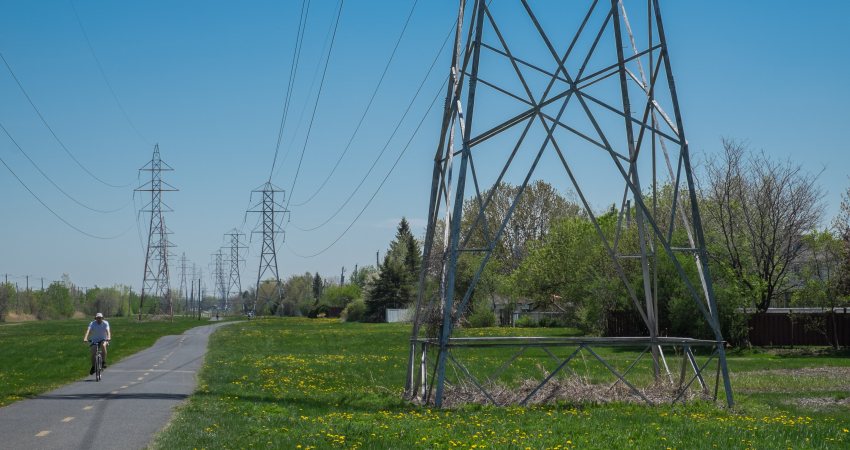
column 299, row 383
column 41, row 355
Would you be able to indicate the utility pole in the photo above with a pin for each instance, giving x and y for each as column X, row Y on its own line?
column 189, row 309
column 272, row 211
column 235, row 282
column 342, row 277
column 42, row 284
column 200, row 298
column 155, row 281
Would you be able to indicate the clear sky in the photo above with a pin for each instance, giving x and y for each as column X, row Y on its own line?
column 207, row 81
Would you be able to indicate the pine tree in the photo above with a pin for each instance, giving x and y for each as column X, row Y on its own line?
column 318, row 286
column 395, row 286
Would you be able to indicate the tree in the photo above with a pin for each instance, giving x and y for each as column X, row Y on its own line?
column 817, row 282
column 540, row 206
column 395, row 286
column 7, row 293
column 340, row 296
column 841, row 226
column 758, row 210
column 318, row 285
column 55, row 302
column 570, row 271
column 362, row 276
column 390, row 290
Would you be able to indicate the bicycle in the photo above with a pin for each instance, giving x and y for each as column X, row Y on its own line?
column 98, row 358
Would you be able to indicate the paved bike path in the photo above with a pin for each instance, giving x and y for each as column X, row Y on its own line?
column 134, row 400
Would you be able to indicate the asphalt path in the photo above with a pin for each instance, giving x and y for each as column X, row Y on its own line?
column 135, row 399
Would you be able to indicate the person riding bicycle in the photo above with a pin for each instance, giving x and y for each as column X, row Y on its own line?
column 100, row 332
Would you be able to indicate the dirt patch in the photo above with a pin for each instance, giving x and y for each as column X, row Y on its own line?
column 570, row 390
column 78, row 315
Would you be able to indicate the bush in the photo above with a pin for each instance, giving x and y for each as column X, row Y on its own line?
column 526, row 322
column 354, row 311
column 482, row 317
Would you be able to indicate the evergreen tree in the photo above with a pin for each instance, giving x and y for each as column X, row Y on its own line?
column 318, row 285
column 395, row 286
column 390, row 290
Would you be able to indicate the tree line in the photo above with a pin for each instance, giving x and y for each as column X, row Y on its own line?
column 763, row 221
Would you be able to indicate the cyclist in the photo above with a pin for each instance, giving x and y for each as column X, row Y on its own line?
column 100, row 332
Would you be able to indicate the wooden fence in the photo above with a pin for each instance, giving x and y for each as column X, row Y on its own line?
column 789, row 327
column 781, row 326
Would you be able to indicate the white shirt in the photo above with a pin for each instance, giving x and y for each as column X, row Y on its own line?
column 97, row 331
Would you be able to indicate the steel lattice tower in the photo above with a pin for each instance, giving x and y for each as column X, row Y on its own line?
column 155, row 282
column 272, row 211
column 577, row 97
column 184, row 289
column 234, row 286
column 220, row 277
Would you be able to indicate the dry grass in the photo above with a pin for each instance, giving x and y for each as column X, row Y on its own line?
column 820, row 403
column 15, row 317
column 575, row 390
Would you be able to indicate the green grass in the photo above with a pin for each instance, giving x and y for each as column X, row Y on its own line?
column 298, row 383
column 39, row 356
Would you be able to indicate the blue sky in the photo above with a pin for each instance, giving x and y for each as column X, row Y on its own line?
column 207, row 79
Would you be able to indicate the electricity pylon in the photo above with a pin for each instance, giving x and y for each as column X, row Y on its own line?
column 272, row 211
column 236, row 246
column 220, row 277
column 184, row 291
column 155, row 281
column 566, row 91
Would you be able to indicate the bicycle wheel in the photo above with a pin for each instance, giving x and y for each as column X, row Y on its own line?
column 98, row 365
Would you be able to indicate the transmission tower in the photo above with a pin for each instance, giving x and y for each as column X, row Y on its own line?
column 184, row 291
column 593, row 106
column 272, row 211
column 234, row 286
column 155, row 282
column 220, row 277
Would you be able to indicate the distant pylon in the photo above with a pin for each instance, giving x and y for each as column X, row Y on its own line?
column 234, row 286
column 183, row 286
column 272, row 211
column 155, row 282
column 219, row 277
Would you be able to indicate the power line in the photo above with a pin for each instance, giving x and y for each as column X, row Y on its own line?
column 81, row 231
column 387, row 143
column 103, row 74
column 403, row 151
column 44, row 121
column 316, row 105
column 66, row 194
column 368, row 107
column 293, row 70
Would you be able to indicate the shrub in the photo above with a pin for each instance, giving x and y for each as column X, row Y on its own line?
column 526, row 322
column 482, row 317
column 354, row 311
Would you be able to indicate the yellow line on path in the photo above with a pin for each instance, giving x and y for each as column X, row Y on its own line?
column 42, row 433
column 86, row 408
column 68, row 419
